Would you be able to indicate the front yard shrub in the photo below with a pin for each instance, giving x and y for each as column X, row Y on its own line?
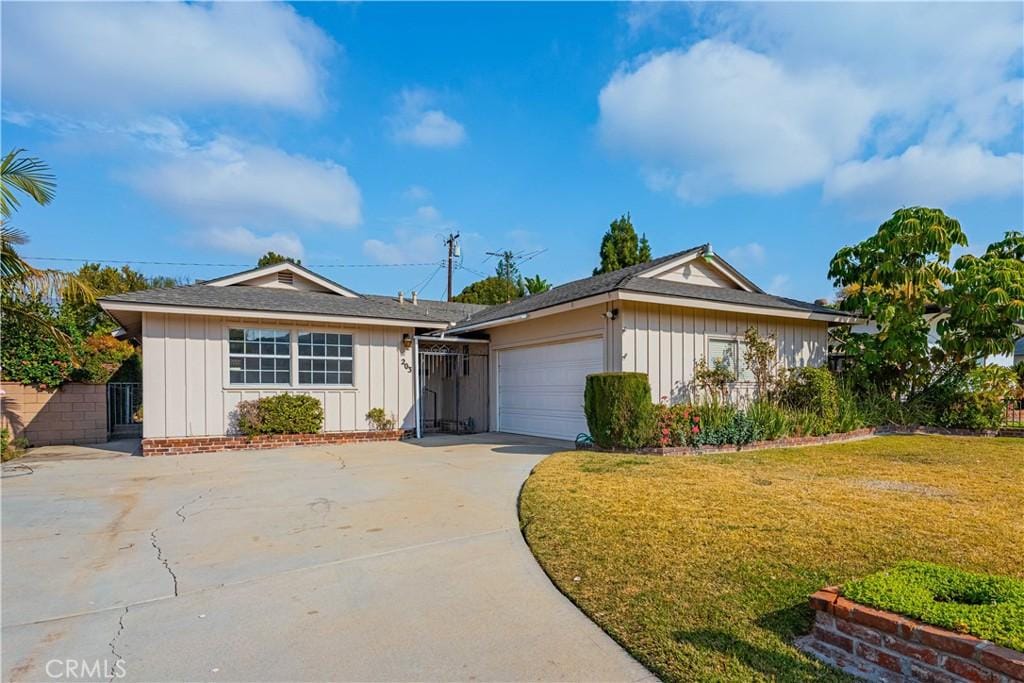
column 813, row 390
column 770, row 421
column 676, row 425
column 980, row 401
column 380, row 420
column 723, row 425
column 619, row 410
column 280, row 414
column 986, row 606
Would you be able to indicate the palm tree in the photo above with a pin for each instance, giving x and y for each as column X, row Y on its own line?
column 22, row 283
column 536, row 284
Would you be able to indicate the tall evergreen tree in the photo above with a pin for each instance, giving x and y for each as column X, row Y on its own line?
column 273, row 258
column 621, row 248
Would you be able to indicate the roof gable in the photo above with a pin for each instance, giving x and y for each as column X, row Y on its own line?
column 701, row 267
column 286, row 275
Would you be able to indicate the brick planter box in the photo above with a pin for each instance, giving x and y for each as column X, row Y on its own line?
column 882, row 646
column 212, row 444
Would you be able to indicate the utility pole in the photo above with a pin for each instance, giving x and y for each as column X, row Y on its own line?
column 452, row 243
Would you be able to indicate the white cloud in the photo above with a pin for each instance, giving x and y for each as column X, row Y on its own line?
column 930, row 176
column 416, row 193
column 428, row 214
column 942, row 77
column 132, row 57
column 228, row 181
column 751, row 253
column 415, row 239
column 239, row 240
column 418, row 124
column 719, row 118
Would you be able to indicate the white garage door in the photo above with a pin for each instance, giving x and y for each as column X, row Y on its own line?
column 540, row 388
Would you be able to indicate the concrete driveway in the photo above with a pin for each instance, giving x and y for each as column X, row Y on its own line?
column 399, row 561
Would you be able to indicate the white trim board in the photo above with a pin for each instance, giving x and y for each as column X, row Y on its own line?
column 111, row 306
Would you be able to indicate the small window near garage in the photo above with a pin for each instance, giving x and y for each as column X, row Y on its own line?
column 730, row 353
column 325, row 358
column 259, row 356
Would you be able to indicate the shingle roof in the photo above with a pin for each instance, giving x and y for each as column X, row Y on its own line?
column 629, row 279
column 272, row 299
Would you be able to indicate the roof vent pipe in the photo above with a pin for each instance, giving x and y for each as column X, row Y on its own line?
column 401, row 297
column 415, row 300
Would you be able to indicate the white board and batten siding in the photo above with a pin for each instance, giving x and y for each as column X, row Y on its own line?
column 665, row 342
column 186, row 390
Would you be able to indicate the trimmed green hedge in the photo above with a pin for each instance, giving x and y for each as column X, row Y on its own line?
column 280, row 414
column 619, row 409
column 989, row 607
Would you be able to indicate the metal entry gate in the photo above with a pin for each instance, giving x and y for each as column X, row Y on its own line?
column 454, row 394
column 123, row 402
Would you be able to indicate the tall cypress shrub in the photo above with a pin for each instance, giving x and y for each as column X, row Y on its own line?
column 619, row 410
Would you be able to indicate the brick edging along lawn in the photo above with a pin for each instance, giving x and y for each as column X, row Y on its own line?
column 211, row 444
column 799, row 441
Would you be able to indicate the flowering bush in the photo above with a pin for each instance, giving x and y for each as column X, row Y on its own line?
column 676, row 425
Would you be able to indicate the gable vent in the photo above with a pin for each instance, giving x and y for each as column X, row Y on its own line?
column 284, row 278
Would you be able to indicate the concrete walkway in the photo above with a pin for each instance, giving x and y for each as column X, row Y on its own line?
column 363, row 562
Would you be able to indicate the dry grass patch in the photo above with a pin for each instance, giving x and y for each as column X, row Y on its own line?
column 701, row 566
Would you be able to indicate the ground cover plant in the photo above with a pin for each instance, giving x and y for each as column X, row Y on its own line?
column 986, row 606
column 701, row 566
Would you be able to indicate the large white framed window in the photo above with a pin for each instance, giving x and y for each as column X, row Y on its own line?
column 729, row 351
column 325, row 358
column 259, row 356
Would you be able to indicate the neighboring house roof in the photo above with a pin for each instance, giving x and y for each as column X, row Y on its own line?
column 276, row 300
column 631, row 279
column 242, row 276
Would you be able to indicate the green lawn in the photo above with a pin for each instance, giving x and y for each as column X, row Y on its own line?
column 701, row 566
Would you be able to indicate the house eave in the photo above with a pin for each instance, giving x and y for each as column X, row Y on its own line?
column 113, row 307
column 750, row 309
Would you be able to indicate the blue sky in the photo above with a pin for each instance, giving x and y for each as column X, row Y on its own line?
column 360, row 134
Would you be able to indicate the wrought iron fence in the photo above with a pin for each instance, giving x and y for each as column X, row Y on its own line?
column 1014, row 415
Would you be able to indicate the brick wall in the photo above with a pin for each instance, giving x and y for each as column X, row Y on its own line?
column 882, row 646
column 73, row 414
column 212, row 444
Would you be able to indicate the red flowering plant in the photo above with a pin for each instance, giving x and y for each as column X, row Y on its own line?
column 676, row 425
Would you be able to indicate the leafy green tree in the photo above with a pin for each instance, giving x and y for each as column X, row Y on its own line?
column 272, row 258
column 87, row 316
column 621, row 248
column 505, row 285
column 901, row 278
column 535, row 284
column 490, row 291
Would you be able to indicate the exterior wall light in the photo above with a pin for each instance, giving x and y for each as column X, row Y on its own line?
column 407, row 341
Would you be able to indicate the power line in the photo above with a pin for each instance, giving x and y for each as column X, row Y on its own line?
column 230, row 265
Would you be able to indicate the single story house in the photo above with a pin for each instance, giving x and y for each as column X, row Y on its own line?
column 518, row 367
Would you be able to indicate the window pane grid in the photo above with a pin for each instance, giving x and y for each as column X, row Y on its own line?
column 259, row 356
column 325, row 358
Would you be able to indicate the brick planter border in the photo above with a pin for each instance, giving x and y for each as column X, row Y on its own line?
column 212, row 444
column 883, row 646
column 800, row 441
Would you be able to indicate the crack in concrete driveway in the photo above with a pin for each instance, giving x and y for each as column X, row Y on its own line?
column 407, row 568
